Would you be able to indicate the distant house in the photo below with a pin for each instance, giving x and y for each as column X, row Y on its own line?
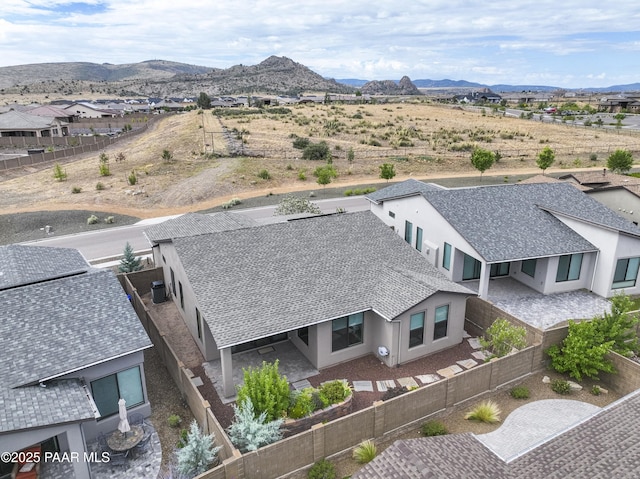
column 71, row 345
column 15, row 123
column 550, row 237
column 52, row 112
column 484, row 96
column 88, row 110
column 337, row 287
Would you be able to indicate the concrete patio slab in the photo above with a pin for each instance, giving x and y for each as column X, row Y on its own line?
column 363, row 386
column 428, row 378
column 408, row 382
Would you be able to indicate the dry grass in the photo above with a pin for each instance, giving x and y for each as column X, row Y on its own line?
column 197, row 180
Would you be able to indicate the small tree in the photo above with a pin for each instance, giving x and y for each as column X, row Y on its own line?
column 204, row 101
column 325, row 174
column 387, row 171
column 619, row 326
column 103, row 166
column 248, row 432
column 266, row 389
column 291, row 205
column 502, row 336
column 351, row 156
column 545, row 158
column 620, row 161
column 58, row 173
column 167, row 156
column 129, row 263
column 482, row 160
column 316, row 151
column 198, row 454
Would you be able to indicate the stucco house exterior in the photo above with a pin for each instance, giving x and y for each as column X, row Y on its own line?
column 337, row 286
column 17, row 123
column 551, row 237
column 88, row 110
column 70, row 345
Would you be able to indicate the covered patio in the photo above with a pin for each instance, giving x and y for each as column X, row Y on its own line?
column 542, row 311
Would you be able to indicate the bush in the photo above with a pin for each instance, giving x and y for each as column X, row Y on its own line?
column 596, row 390
column 301, row 143
column 132, row 179
column 264, row 174
column 58, row 173
column 302, row 176
column 394, row 392
column 199, row 453
column 266, row 389
column 291, row 204
column 335, row 391
column 248, row 432
column 301, row 404
column 76, row 189
column 486, row 411
column 99, row 186
column 502, row 336
column 231, row 203
column 317, row 151
column 433, row 428
column 560, row 386
column 322, row 469
column 92, row 220
column 519, row 392
column 174, row 420
column 348, row 193
column 109, row 220
column 365, row 452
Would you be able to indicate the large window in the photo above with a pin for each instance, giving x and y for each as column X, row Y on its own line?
column 408, row 231
column 441, row 322
column 446, row 256
column 499, row 269
column 419, row 238
column 347, row 331
column 626, row 273
column 569, row 267
column 529, row 267
column 108, row 390
column 416, row 330
column 471, row 268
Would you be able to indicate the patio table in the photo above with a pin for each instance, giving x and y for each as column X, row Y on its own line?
column 120, row 442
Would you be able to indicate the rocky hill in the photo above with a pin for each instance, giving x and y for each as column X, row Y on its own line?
column 388, row 87
column 158, row 78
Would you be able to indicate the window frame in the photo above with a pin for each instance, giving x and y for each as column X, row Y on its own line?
column 570, row 266
column 626, row 282
column 119, row 392
column 419, row 233
column 437, row 329
column 392, row 214
column 477, row 268
column 416, row 334
column 351, row 334
column 408, row 231
column 446, row 256
column 524, row 267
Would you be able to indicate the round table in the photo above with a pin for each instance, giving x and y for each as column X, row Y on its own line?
column 120, row 442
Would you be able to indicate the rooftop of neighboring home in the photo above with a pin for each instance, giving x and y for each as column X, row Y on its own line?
column 519, row 221
column 58, row 316
column 304, row 272
column 16, row 120
column 50, row 111
column 191, row 224
column 600, row 179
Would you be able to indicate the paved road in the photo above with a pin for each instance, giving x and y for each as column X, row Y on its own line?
column 110, row 242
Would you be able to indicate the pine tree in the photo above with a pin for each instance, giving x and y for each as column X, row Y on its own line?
column 129, row 263
column 248, row 432
column 198, row 454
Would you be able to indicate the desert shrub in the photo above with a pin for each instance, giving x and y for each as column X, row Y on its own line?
column 264, row 174
column 520, row 392
column 560, row 386
column 92, row 220
column 317, row 151
column 301, row 404
column 433, row 428
column 335, row 391
column 302, row 175
column 199, row 453
column 99, row 186
column 365, row 452
column 291, row 204
column 374, row 142
column 322, row 469
column 103, row 166
column 58, row 173
column 76, row 189
column 301, row 143
column 132, row 179
column 502, row 336
column 348, row 193
column 318, row 400
column 486, row 411
column 596, row 390
column 267, row 390
column 174, row 420
column 249, row 432
column 109, row 220
column 231, row 203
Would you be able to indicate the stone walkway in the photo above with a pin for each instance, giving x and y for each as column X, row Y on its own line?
column 142, row 466
column 414, row 382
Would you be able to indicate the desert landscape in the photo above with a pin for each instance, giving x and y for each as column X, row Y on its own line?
column 200, row 159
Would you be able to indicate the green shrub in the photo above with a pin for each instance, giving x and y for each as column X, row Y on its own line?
column 317, row 151
column 301, row 404
column 174, row 420
column 92, row 220
column 109, row 220
column 318, row 400
column 486, row 411
column 58, row 173
column 231, row 203
column 519, row 392
column 322, row 469
column 76, row 189
column 365, row 452
column 132, row 179
column 103, row 166
column 301, row 143
column 560, row 386
column 433, row 428
column 267, row 390
column 596, row 390
column 348, row 193
column 302, row 176
column 335, row 391
column 502, row 336
column 264, row 174
column 99, row 186
column 182, row 440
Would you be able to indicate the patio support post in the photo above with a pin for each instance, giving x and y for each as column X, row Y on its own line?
column 483, row 286
column 75, row 438
column 226, row 362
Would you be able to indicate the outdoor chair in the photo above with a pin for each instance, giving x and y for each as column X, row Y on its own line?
column 118, row 459
column 102, row 443
column 144, row 445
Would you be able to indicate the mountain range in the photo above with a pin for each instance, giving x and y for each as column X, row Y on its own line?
column 274, row 75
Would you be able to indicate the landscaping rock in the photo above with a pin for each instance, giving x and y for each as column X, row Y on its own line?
column 574, row 386
column 546, row 380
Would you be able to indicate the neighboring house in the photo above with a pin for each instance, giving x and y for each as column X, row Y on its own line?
column 88, row 110
column 16, row 123
column 337, row 286
column 71, row 345
column 604, row 445
column 550, row 237
column 52, row 112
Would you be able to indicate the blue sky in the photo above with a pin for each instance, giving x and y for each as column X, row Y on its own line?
column 568, row 43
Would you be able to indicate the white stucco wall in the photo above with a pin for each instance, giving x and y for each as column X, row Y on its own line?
column 620, row 200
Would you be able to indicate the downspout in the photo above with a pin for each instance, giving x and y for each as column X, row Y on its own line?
column 595, row 267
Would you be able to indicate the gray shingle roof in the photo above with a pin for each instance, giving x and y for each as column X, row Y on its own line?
column 408, row 187
column 255, row 282
column 16, row 120
column 47, row 329
column 21, row 264
column 605, row 446
column 510, row 222
column 61, row 401
column 191, row 224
